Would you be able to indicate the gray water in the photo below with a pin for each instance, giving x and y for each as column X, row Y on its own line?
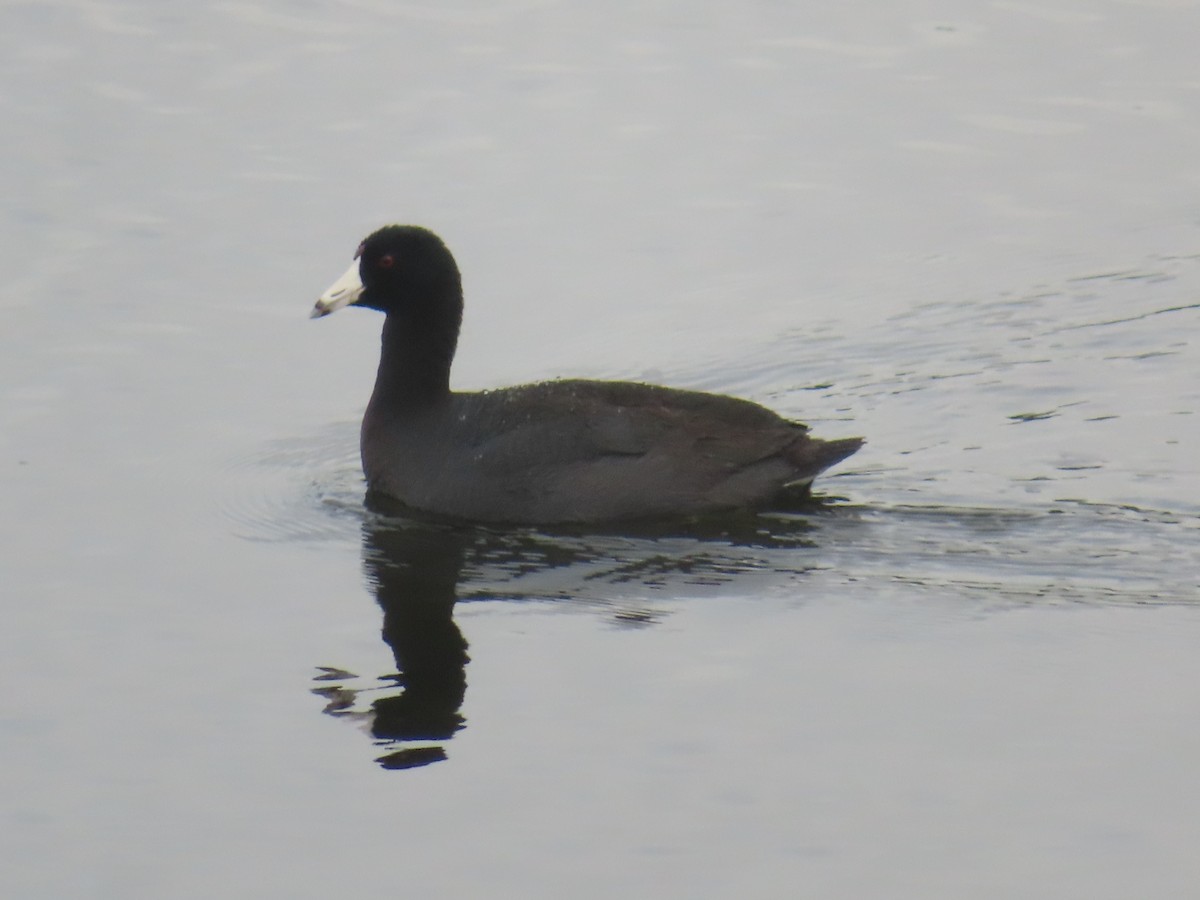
column 967, row 231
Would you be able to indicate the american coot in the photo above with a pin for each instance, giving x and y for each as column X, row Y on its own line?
column 554, row 452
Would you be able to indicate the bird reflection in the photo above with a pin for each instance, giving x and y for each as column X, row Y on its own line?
column 419, row 570
column 414, row 571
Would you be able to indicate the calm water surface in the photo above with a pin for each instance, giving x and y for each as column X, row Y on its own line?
column 966, row 231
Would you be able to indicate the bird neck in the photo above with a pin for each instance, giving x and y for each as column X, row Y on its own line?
column 415, row 356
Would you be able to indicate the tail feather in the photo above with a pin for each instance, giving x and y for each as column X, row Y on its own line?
column 833, row 452
column 812, row 456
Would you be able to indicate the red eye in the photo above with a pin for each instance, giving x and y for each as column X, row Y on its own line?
column 387, row 261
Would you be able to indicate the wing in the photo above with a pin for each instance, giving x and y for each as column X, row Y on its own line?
column 559, row 423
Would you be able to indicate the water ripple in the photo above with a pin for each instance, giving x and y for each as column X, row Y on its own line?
column 299, row 489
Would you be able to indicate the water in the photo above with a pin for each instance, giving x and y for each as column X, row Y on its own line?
column 963, row 231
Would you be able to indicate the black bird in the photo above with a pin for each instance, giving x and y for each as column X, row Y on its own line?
column 568, row 451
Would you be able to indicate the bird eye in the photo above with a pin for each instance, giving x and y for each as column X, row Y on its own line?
column 387, row 261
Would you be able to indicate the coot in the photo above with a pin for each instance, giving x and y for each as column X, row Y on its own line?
column 568, row 451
